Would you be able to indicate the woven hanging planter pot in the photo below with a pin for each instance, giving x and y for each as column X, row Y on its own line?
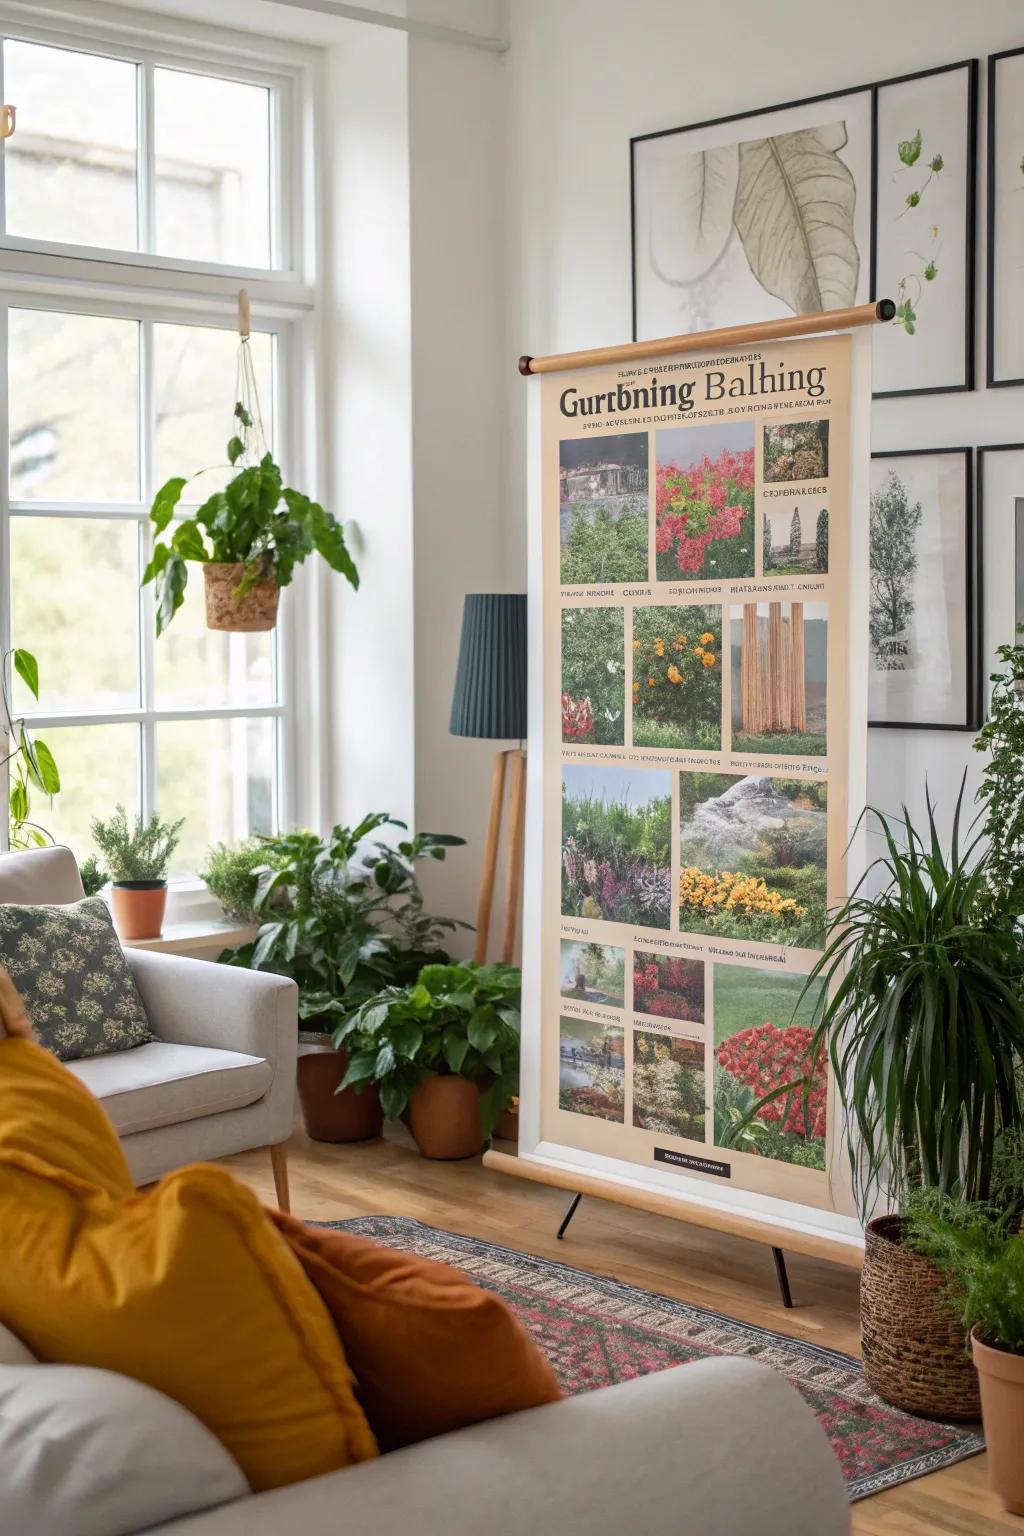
column 254, row 612
column 914, row 1346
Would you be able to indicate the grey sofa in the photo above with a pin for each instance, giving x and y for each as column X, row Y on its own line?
column 220, row 1077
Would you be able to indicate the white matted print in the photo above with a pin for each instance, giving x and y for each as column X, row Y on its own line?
column 924, row 600
column 1001, row 524
column 753, row 218
column 1006, row 218
column 924, row 231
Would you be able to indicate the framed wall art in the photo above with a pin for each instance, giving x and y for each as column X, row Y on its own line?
column 925, row 603
column 1005, row 317
column 755, row 216
column 925, row 149
column 1001, row 528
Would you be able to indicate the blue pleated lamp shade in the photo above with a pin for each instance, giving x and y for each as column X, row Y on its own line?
column 490, row 684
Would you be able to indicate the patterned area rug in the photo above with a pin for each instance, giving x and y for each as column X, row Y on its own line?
column 597, row 1331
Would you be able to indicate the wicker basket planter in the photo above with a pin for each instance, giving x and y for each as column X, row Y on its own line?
column 913, row 1344
column 254, row 612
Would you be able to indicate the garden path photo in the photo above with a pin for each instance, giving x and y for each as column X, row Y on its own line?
column 592, row 1069
column 602, row 510
column 705, row 506
column 593, row 973
column 616, row 844
column 762, row 1042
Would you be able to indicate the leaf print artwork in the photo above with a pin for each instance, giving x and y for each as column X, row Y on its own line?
column 693, row 213
column 794, row 214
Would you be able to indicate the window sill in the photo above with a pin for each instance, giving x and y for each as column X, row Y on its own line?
column 206, row 938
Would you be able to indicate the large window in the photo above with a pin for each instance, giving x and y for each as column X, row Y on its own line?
column 111, row 387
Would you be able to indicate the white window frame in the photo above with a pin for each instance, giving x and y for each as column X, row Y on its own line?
column 150, row 289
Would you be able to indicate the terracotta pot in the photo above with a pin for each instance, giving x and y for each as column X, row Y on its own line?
column 256, row 611
column 913, row 1344
column 1001, row 1378
column 329, row 1115
column 444, row 1117
column 139, row 907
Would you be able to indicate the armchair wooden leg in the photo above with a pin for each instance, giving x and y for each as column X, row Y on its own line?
column 279, row 1163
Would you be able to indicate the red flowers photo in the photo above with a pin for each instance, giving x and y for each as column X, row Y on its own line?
column 704, row 525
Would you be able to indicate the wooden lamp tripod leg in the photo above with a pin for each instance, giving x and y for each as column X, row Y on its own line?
column 514, row 867
column 483, row 916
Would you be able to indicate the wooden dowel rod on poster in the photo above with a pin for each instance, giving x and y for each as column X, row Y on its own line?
column 705, row 341
column 815, row 1245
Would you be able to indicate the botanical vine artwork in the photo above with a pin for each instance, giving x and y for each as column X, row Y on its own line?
column 911, row 286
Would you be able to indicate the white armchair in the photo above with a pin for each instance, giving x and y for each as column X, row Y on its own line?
column 219, row 1078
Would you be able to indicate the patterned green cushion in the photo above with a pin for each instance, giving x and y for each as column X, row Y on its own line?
column 69, row 967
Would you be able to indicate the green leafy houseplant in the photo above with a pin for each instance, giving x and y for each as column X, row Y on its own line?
column 455, row 1020
column 921, row 1013
column 256, row 521
column 1002, row 787
column 94, row 876
column 139, row 851
column 29, row 761
column 343, row 915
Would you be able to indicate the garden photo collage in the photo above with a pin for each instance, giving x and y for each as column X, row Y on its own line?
column 694, row 793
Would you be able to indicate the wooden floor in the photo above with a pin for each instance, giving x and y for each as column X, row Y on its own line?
column 736, row 1277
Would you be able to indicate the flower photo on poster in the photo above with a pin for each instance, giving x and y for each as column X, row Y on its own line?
column 704, row 517
column 593, row 676
column 926, row 128
column 668, row 1084
column 753, row 217
column 592, row 1068
column 1006, row 218
column 924, row 602
column 617, row 844
column 677, row 678
column 763, row 1040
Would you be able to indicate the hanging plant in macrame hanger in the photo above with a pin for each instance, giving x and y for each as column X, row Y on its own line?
column 248, row 537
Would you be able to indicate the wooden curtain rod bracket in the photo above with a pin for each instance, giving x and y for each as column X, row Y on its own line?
column 729, row 336
column 244, row 314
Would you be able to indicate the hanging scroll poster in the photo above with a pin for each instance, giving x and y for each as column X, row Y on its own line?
column 695, row 593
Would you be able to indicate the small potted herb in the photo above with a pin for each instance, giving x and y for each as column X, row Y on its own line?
column 444, row 1052
column 232, row 876
column 137, row 857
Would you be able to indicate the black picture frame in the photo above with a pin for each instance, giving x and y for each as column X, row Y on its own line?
column 970, row 221
column 973, row 596
column 715, row 122
column 991, row 381
column 979, row 495
column 871, row 88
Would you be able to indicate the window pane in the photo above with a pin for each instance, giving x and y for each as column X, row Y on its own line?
column 74, row 404
column 71, row 166
column 73, row 605
column 195, row 388
column 196, row 666
column 212, row 169
column 99, row 769
column 219, row 775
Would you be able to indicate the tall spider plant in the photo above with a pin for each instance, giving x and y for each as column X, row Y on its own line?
column 922, row 1015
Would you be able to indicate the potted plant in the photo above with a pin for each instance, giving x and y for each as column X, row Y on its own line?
column 980, row 1250
column 137, row 855
column 343, row 916
column 444, row 1050
column 232, row 876
column 248, row 537
column 919, row 1010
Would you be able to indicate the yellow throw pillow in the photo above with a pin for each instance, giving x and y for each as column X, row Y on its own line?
column 47, row 1114
column 188, row 1287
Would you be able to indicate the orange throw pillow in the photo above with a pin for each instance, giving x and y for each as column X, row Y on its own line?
column 187, row 1287
column 430, row 1350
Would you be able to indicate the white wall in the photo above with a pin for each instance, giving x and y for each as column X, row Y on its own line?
column 586, row 75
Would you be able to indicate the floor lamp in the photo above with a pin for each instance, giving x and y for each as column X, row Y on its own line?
column 490, row 702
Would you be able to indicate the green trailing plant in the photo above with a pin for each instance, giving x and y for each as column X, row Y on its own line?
column 94, row 876
column 343, row 915
column 256, row 520
column 232, row 876
column 29, row 761
column 920, row 1011
column 460, row 1020
column 138, row 849
column 1001, row 794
